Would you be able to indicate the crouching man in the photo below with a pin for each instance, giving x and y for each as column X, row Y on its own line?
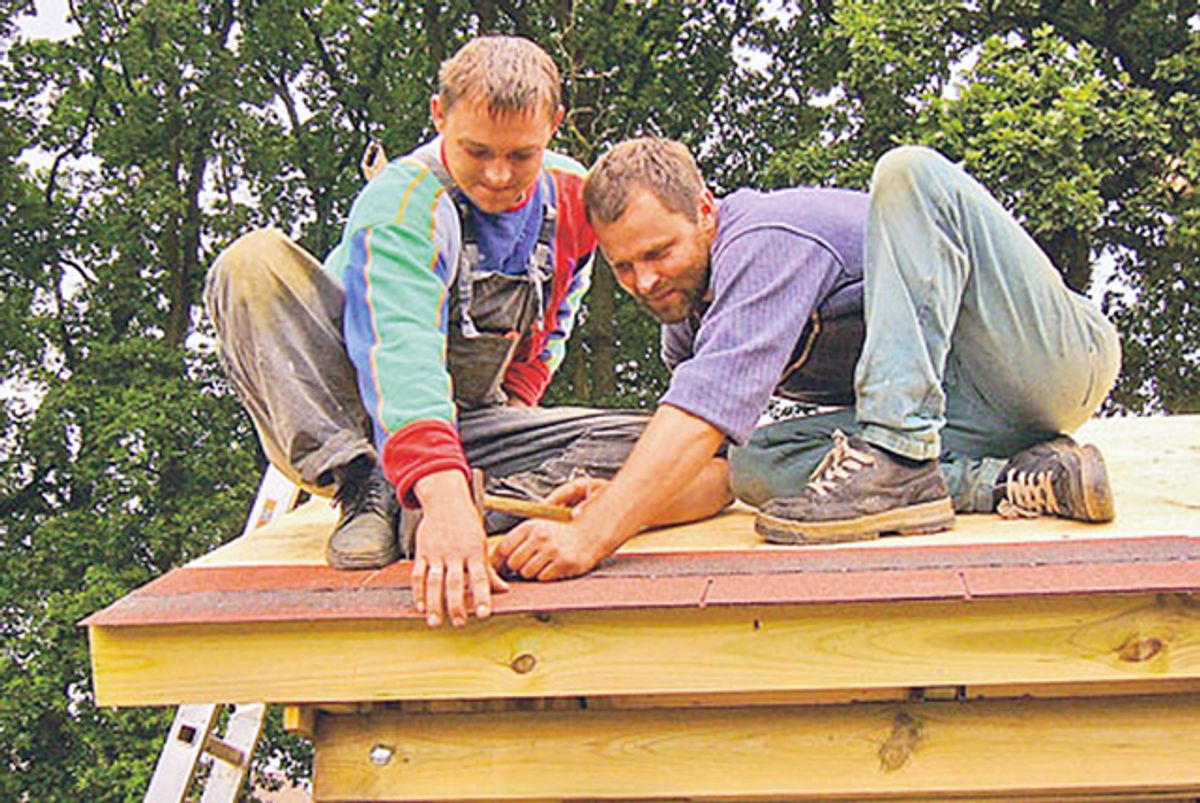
column 959, row 356
column 423, row 345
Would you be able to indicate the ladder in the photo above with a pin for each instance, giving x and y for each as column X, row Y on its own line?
column 191, row 736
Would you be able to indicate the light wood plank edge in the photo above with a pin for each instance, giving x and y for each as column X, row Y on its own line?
column 698, row 651
column 1129, row 745
column 753, row 699
column 301, row 720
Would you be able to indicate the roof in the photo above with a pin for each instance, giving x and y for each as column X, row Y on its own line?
column 278, row 573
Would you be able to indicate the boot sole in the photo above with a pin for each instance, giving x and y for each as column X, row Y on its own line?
column 377, row 561
column 1097, row 493
column 927, row 517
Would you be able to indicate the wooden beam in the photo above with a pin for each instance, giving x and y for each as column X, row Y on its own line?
column 964, row 749
column 646, row 652
column 300, row 720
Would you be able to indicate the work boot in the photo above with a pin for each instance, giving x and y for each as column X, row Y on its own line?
column 1059, row 478
column 860, row 491
column 365, row 537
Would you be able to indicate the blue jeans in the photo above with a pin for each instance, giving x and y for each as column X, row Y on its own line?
column 975, row 348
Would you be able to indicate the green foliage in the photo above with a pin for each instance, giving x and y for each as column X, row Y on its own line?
column 1055, row 138
column 167, row 127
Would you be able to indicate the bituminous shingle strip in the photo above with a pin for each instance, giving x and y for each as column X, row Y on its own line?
column 805, row 559
column 279, row 605
column 272, row 593
column 1098, row 578
column 643, row 593
column 683, row 564
column 817, row 588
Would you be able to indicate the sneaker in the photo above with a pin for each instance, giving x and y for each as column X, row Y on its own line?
column 365, row 536
column 858, row 492
column 1057, row 478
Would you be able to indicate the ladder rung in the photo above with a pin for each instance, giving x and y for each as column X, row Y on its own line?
column 219, row 748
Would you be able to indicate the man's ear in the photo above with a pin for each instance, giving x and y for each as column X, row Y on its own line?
column 436, row 113
column 558, row 118
column 706, row 211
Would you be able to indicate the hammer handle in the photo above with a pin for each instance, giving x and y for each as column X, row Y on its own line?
column 521, row 507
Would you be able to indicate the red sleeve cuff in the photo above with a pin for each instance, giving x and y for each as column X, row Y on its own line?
column 419, row 449
column 527, row 381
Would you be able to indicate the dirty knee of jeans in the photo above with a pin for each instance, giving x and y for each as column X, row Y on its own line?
column 749, row 484
column 530, row 485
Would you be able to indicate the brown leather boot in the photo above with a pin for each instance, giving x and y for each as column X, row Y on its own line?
column 858, row 492
column 1056, row 478
column 365, row 537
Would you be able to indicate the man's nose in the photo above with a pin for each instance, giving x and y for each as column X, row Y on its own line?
column 647, row 280
column 499, row 174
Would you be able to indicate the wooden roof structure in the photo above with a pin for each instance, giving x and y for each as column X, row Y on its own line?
column 1023, row 658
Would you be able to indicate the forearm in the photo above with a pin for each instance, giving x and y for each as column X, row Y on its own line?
column 671, row 476
column 707, row 494
column 442, row 491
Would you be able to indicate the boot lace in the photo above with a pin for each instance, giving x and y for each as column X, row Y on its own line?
column 360, row 493
column 839, row 464
column 1027, row 495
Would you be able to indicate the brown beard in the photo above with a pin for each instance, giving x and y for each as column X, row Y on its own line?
column 693, row 300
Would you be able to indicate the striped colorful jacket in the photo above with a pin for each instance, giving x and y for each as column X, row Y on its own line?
column 397, row 261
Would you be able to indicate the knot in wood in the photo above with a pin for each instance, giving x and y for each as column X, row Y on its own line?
column 524, row 663
column 906, row 734
column 381, row 754
column 1135, row 650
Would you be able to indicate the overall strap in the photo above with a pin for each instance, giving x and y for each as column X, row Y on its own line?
column 540, row 268
column 468, row 256
column 541, row 261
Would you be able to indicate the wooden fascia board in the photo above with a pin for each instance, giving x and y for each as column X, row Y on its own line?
column 1018, row 749
column 1060, row 639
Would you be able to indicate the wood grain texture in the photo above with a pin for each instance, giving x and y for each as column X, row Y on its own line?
column 732, row 650
column 966, row 749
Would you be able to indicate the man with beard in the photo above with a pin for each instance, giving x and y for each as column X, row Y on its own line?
column 924, row 310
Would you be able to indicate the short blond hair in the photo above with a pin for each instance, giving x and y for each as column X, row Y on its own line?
column 663, row 166
column 510, row 74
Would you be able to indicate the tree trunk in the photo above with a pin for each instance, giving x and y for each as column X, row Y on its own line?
column 601, row 335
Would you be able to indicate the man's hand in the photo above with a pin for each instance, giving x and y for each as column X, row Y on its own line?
column 671, row 476
column 451, row 561
column 549, row 550
column 577, row 493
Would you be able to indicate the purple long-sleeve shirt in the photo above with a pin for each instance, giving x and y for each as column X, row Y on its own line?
column 783, row 264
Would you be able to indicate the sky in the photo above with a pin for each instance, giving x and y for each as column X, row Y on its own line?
column 50, row 21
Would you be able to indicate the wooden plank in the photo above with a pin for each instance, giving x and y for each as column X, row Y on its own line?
column 1021, row 748
column 300, row 720
column 802, row 648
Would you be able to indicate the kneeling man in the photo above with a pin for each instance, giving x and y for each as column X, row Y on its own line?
column 959, row 355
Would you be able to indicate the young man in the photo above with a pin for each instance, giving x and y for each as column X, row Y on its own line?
column 924, row 305
column 431, row 334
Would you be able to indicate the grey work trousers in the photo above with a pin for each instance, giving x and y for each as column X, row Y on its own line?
column 975, row 347
column 279, row 325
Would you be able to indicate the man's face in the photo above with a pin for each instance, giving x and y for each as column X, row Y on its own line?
column 494, row 160
column 659, row 256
